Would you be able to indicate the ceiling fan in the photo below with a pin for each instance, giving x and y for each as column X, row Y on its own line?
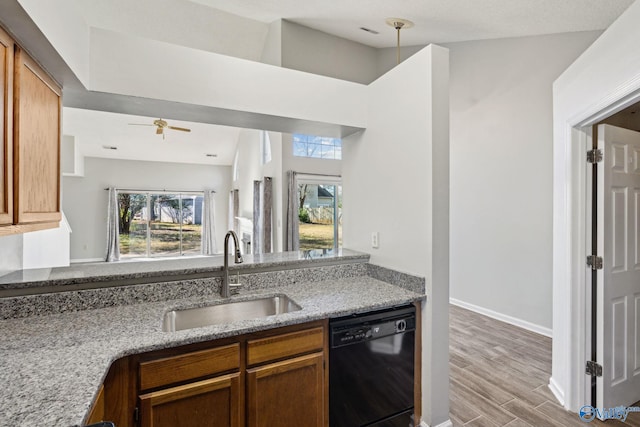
column 161, row 125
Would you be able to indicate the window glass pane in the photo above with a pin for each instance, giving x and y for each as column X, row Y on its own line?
column 299, row 149
column 192, row 224
column 160, row 224
column 317, row 226
column 165, row 224
column 132, row 224
column 318, row 147
column 328, row 152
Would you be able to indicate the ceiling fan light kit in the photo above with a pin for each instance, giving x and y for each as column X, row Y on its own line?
column 161, row 125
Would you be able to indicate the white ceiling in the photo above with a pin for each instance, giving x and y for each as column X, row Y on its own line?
column 240, row 28
column 94, row 129
column 436, row 21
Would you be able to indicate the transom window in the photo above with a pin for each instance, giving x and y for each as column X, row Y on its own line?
column 318, row 147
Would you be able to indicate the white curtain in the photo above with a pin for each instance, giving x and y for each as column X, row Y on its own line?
column 113, row 235
column 292, row 238
column 209, row 246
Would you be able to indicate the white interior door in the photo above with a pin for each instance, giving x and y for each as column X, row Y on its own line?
column 618, row 317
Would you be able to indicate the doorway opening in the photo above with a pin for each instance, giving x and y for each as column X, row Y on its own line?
column 613, row 259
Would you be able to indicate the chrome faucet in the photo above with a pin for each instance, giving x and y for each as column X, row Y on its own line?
column 224, row 290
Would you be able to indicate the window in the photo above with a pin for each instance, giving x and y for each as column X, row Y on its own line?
column 320, row 215
column 160, row 224
column 318, row 147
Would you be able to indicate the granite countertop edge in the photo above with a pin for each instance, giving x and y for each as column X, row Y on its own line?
column 55, row 364
column 205, row 265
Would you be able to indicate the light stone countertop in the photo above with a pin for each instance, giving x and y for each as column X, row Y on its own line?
column 51, row 367
column 162, row 268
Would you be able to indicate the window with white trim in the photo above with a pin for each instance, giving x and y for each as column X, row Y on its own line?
column 317, row 147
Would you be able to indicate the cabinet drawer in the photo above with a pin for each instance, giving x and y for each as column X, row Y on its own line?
column 189, row 366
column 280, row 346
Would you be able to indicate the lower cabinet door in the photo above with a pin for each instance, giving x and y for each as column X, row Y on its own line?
column 287, row 394
column 209, row 403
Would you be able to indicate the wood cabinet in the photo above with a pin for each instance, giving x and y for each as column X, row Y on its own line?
column 283, row 389
column 272, row 378
column 210, row 403
column 36, row 143
column 30, row 143
column 6, row 129
column 289, row 393
column 97, row 411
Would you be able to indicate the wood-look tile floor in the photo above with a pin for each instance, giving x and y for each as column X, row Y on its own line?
column 499, row 375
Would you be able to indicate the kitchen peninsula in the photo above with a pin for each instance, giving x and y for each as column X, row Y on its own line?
column 57, row 347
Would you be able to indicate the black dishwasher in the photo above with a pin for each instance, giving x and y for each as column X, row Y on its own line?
column 371, row 366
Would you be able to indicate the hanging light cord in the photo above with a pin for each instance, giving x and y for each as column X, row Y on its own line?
column 399, row 24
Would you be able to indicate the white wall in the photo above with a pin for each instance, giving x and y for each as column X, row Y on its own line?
column 403, row 156
column 84, row 199
column 208, row 79
column 501, row 172
column 314, row 51
column 603, row 80
column 11, row 252
column 272, row 49
column 387, row 58
column 66, row 29
column 250, row 168
column 208, row 28
column 47, row 248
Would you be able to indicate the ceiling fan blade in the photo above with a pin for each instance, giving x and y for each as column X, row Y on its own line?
column 139, row 124
column 180, row 129
column 159, row 131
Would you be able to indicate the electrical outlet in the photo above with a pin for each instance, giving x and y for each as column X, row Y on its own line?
column 375, row 237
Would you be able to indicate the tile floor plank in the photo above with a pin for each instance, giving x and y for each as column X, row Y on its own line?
column 499, row 377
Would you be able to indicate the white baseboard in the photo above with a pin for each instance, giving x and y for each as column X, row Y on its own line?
column 79, row 260
column 556, row 390
column 447, row 423
column 504, row 318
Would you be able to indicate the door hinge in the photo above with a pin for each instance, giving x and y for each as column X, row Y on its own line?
column 594, row 156
column 594, row 262
column 136, row 414
column 593, row 369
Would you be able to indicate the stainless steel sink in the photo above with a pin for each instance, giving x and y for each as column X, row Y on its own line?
column 178, row 320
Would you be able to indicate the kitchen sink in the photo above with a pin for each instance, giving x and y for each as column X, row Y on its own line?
column 178, row 320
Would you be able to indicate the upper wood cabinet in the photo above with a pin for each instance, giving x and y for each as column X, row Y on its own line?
column 36, row 143
column 30, row 112
column 6, row 132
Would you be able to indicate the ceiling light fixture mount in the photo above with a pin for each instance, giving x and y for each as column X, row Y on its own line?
column 399, row 24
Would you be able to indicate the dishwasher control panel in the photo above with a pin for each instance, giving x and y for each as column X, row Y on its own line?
column 366, row 331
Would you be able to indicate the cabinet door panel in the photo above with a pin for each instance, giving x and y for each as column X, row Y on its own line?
column 209, row 403
column 36, row 143
column 6, row 132
column 287, row 394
